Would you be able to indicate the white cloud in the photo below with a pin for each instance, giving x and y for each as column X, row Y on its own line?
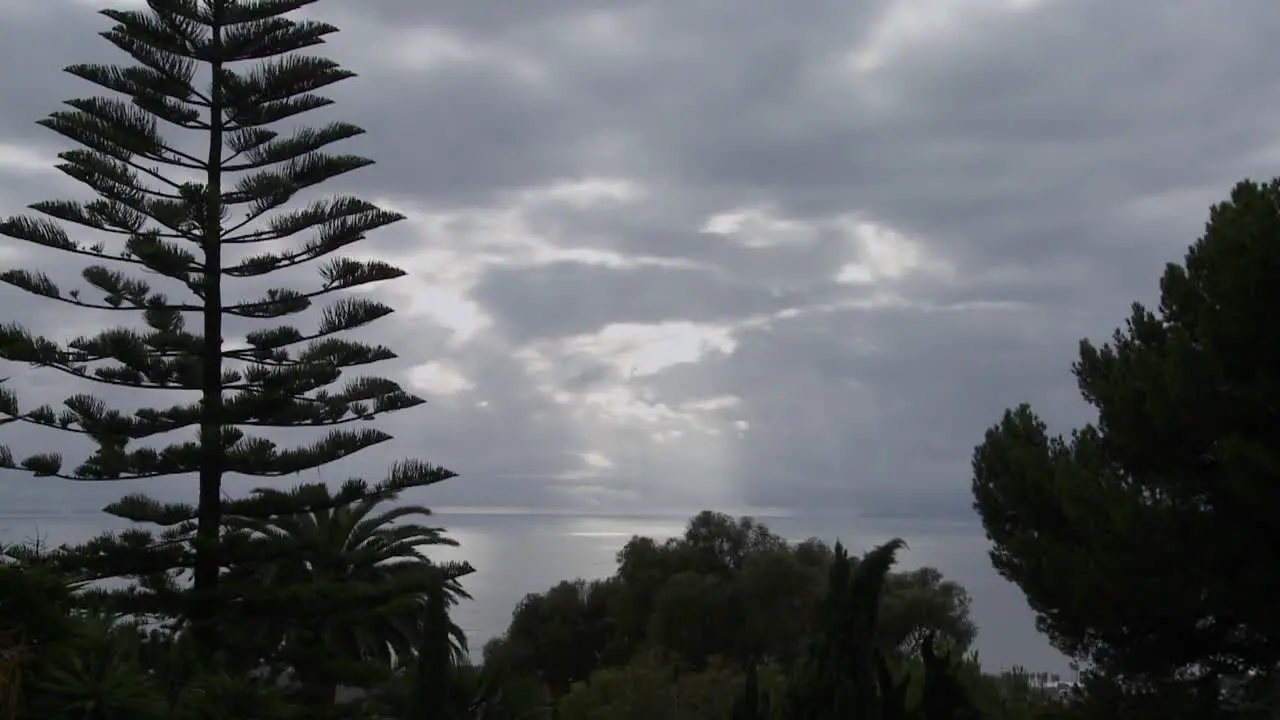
column 639, row 350
column 608, row 410
column 584, row 193
column 439, row 378
column 882, row 254
column 759, row 228
column 909, row 26
column 423, row 49
column 904, row 26
column 448, row 251
column 21, row 160
column 450, row 308
column 713, row 404
column 597, row 460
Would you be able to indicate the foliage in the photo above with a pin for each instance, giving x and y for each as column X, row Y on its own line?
column 649, row 687
column 839, row 674
column 222, row 75
column 1144, row 541
column 728, row 588
column 152, row 672
column 105, row 669
column 919, row 603
column 730, row 620
column 558, row 636
column 35, row 619
column 362, row 543
column 846, row 674
column 1012, row 695
column 82, row 664
column 99, row 675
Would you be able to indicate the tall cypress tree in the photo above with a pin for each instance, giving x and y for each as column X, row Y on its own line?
column 221, row 72
column 839, row 677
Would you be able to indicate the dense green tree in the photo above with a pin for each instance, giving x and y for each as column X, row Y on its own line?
column 217, row 75
column 648, row 688
column 770, row 604
column 557, row 636
column 104, row 669
column 64, row 662
column 846, row 673
column 698, row 616
column 751, row 704
column 576, row 627
column 713, row 544
column 944, row 692
column 840, row 677
column 1009, row 695
column 36, row 603
column 98, row 675
column 1145, row 541
column 922, row 603
column 435, row 685
column 727, row 588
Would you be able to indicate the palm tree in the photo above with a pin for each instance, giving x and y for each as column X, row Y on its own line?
column 365, row 552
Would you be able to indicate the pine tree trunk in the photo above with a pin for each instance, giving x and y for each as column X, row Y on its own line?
column 209, row 518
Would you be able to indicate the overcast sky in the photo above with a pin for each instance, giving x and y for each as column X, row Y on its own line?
column 731, row 253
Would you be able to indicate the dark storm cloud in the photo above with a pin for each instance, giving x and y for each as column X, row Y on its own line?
column 1036, row 166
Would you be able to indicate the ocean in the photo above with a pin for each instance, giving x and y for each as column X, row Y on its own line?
column 520, row 552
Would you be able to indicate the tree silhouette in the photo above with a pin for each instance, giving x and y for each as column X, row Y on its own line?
column 1144, row 540
column 195, row 219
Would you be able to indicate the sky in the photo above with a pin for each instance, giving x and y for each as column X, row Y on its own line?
column 667, row 255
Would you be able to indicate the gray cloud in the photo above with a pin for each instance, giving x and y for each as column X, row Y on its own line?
column 802, row 256
column 671, row 255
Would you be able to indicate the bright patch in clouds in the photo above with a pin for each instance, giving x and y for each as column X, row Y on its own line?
column 447, row 252
column 605, row 35
column 439, row 378
column 617, row 404
column 758, row 228
column 882, row 253
column 585, row 193
column 428, row 48
column 451, row 309
column 597, row 460
column 637, row 350
column 632, row 352
column 722, row 402
column 909, row 25
column 19, row 159
column 904, row 25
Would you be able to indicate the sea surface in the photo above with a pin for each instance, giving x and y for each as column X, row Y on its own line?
column 519, row 552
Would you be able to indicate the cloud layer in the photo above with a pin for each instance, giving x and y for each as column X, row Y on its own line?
column 671, row 254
